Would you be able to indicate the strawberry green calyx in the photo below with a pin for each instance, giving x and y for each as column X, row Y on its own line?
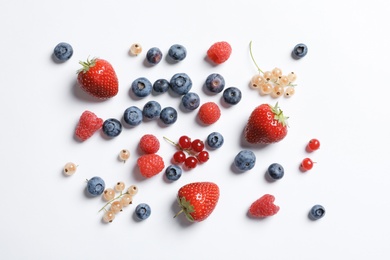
column 278, row 114
column 87, row 65
column 186, row 207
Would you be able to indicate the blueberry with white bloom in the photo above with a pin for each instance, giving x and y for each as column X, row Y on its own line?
column 95, row 186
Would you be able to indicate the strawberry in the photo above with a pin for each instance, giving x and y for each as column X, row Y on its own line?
column 266, row 125
column 198, row 200
column 88, row 124
column 98, row 78
column 264, row 207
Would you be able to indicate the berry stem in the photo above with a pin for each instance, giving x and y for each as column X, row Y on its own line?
column 111, row 200
column 253, row 59
column 190, row 152
column 178, row 213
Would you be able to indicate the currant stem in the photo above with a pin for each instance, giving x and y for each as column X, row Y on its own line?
column 253, row 59
column 172, row 142
column 111, row 200
column 190, row 152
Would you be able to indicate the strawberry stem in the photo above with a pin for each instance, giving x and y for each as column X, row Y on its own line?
column 253, row 59
column 86, row 65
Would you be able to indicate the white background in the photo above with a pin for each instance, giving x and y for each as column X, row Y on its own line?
column 341, row 99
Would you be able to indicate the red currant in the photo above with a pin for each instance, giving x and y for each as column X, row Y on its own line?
column 203, row 156
column 313, row 145
column 197, row 145
column 191, row 162
column 307, row 164
column 185, row 142
column 179, row 157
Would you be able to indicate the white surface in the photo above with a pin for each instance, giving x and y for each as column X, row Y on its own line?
column 341, row 99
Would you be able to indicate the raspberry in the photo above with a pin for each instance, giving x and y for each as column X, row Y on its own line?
column 219, row 52
column 264, row 207
column 209, row 113
column 88, row 124
column 150, row 165
column 149, row 144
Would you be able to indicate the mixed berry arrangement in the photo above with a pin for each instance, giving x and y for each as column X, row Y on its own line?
column 266, row 125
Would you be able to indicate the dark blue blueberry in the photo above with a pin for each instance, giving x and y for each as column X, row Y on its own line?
column 177, row 52
column 168, row 115
column 181, row 83
column 63, row 51
column 245, row 160
column 133, row 116
column 190, row 101
column 151, row 110
column 215, row 83
column 317, row 212
column 215, row 140
column 275, row 171
column 161, row 85
column 141, row 87
column 173, row 172
column 143, row 211
column 154, row 55
column 112, row 127
column 299, row 51
column 232, row 95
column 95, row 186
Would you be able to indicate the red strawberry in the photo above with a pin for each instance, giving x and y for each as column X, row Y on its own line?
column 266, row 125
column 150, row 164
column 219, row 52
column 198, row 200
column 209, row 113
column 88, row 124
column 264, row 207
column 98, row 78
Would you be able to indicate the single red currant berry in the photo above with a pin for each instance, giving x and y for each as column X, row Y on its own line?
column 179, row 157
column 191, row 162
column 203, row 156
column 307, row 164
column 185, row 142
column 313, row 145
column 197, row 145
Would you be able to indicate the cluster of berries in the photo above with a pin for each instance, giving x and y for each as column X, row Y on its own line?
column 273, row 82
column 154, row 55
column 115, row 202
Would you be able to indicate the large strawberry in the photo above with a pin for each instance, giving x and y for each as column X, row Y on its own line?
column 98, row 78
column 198, row 200
column 266, row 125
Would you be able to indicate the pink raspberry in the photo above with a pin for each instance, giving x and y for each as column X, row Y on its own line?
column 88, row 124
column 149, row 144
column 150, row 165
column 219, row 52
column 209, row 113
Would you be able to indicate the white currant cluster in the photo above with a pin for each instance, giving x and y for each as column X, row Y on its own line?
column 273, row 82
column 115, row 202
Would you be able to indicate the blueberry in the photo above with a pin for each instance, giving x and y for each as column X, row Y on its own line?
column 232, row 95
column 181, row 83
column 316, row 212
column 299, row 51
column 173, row 172
column 215, row 140
column 95, row 186
column 161, row 85
column 177, row 52
column 143, row 211
column 275, row 171
column 190, row 101
column 245, row 160
column 168, row 115
column 112, row 127
column 133, row 116
column 63, row 51
column 215, row 83
column 141, row 87
column 151, row 110
column 154, row 55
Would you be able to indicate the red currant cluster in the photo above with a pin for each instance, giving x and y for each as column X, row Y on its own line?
column 307, row 163
column 190, row 152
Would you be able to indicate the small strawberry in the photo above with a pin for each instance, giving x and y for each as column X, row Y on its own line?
column 98, row 78
column 150, row 164
column 264, row 207
column 198, row 200
column 266, row 125
column 219, row 52
column 88, row 124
